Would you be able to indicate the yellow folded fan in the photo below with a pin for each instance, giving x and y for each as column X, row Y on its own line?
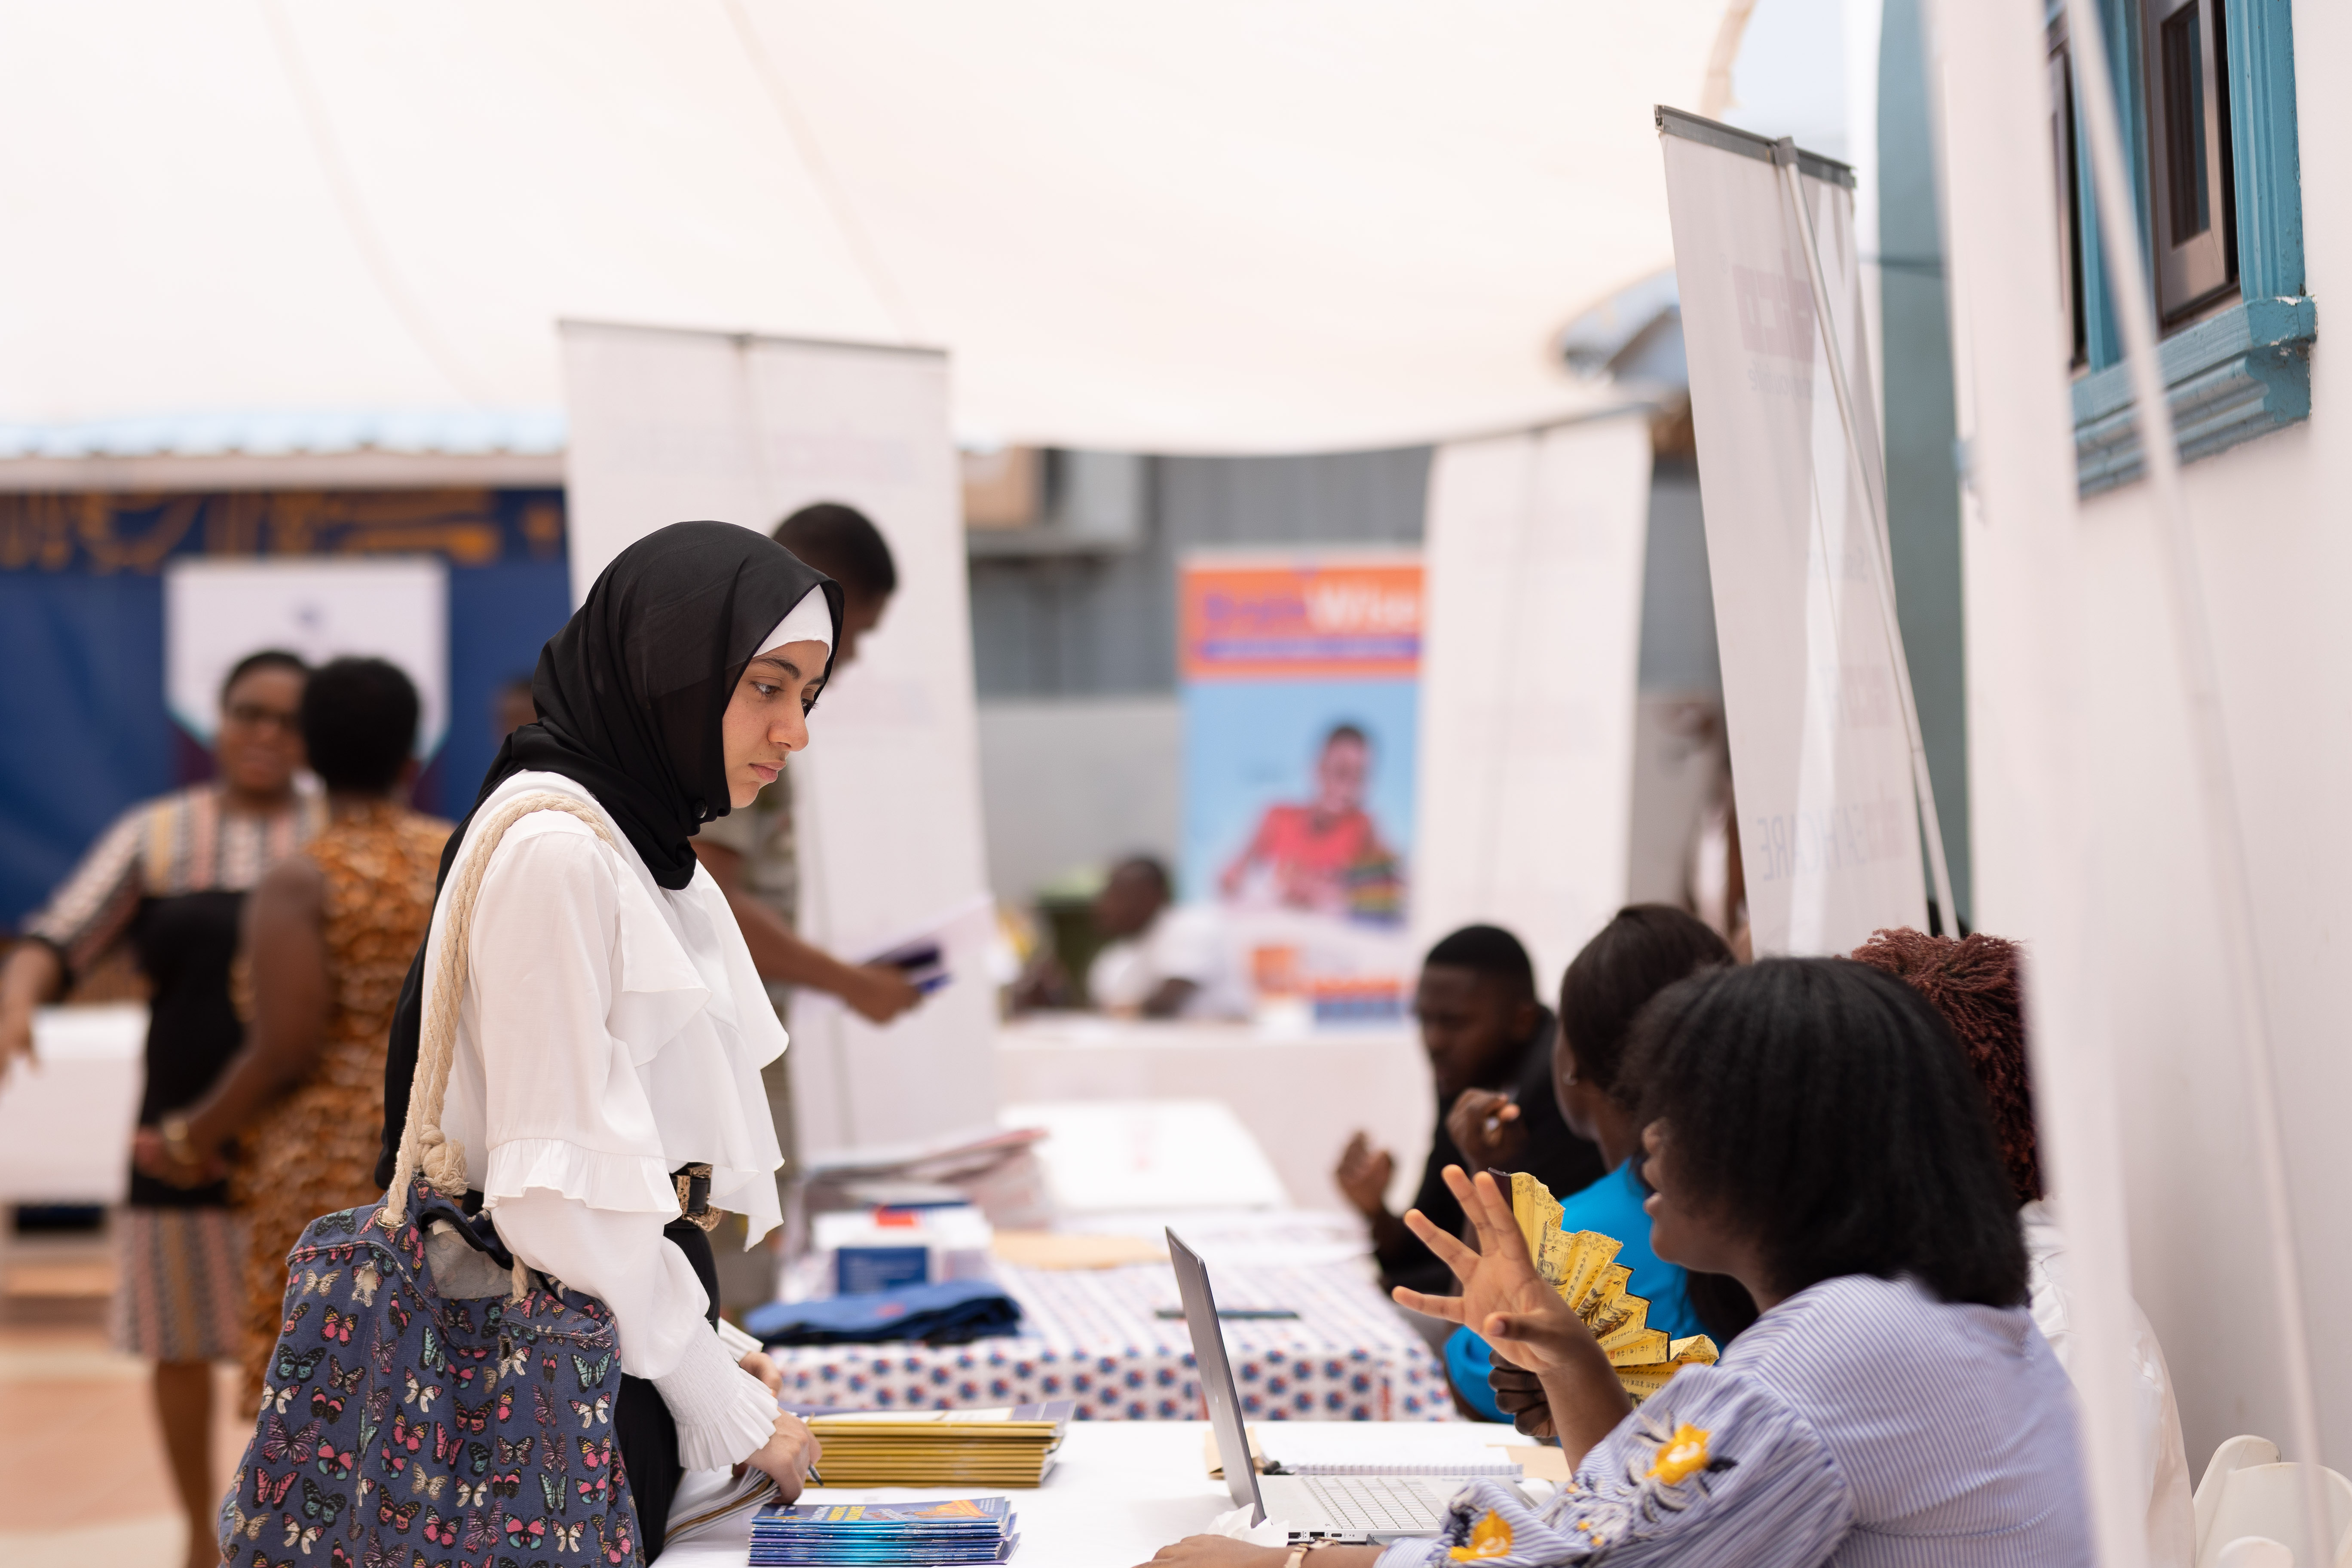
column 1582, row 1267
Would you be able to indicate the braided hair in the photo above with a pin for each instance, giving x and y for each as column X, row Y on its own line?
column 1975, row 984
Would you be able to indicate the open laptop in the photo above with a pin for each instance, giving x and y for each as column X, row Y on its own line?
column 1341, row 1508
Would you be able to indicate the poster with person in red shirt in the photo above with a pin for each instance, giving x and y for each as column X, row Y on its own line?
column 1301, row 692
column 1323, row 854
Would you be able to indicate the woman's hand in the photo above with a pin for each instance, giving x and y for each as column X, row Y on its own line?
column 151, row 1156
column 762, row 1365
column 1519, row 1395
column 788, row 1456
column 1503, row 1300
column 1224, row 1551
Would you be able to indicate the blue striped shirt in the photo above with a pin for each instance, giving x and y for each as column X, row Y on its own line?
column 1860, row 1423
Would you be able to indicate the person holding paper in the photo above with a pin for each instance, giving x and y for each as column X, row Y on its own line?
column 166, row 884
column 1894, row 1405
column 603, row 1099
column 751, row 853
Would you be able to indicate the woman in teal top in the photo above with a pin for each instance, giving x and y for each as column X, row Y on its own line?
column 1645, row 950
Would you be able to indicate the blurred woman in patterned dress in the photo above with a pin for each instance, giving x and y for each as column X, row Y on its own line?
column 168, row 882
column 328, row 937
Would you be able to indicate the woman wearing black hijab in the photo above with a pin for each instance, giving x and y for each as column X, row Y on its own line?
column 612, row 1028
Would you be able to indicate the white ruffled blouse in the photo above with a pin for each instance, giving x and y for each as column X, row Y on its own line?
column 611, row 1032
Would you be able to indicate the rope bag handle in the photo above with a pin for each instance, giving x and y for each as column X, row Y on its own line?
column 423, row 1145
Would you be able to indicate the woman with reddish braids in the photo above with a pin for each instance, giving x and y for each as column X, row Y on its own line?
column 1975, row 982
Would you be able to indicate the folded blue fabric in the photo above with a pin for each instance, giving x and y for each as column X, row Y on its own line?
column 949, row 1313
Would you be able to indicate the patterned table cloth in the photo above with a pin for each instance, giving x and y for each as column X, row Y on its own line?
column 1093, row 1336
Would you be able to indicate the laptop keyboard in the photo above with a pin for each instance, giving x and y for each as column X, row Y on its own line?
column 1375, row 1503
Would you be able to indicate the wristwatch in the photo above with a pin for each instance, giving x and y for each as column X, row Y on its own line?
column 1298, row 1552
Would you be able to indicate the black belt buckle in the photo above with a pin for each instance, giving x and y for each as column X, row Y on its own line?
column 694, row 1196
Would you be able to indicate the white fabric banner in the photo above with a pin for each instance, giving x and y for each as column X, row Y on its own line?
column 1829, row 834
column 2037, row 819
column 1530, row 657
column 670, row 426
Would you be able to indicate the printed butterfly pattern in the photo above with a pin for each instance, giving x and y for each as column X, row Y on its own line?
column 393, row 1430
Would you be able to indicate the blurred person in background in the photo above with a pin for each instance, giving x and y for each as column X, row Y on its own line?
column 751, row 853
column 1976, row 985
column 512, row 708
column 328, row 937
column 170, row 878
column 1159, row 959
column 1483, row 1031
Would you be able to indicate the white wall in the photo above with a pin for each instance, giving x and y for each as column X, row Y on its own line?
column 2273, row 523
column 1072, row 782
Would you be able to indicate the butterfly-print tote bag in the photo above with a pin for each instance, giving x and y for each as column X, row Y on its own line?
column 431, row 1402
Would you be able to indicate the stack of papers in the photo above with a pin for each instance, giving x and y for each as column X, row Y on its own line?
column 966, row 1529
column 1583, row 1267
column 1011, row 1445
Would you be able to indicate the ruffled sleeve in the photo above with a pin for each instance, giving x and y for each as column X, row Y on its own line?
column 723, row 1414
column 1714, row 1471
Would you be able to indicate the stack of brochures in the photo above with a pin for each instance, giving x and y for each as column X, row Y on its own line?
column 1011, row 1445
column 964, row 1530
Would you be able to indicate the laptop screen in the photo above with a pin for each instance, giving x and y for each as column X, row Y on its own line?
column 1216, row 1377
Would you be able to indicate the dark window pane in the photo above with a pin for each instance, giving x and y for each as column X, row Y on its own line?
column 2184, row 125
column 2070, row 238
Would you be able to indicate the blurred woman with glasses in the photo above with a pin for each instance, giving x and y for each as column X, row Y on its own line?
column 168, row 880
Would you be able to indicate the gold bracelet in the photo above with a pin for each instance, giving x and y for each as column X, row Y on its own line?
column 175, row 1129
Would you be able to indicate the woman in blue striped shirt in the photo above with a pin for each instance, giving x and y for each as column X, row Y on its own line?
column 1811, row 1129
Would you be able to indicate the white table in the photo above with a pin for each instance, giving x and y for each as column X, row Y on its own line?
column 1118, row 1493
column 1300, row 1094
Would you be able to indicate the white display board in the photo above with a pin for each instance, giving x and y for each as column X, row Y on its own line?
column 1532, row 656
column 667, row 426
column 1829, row 834
column 217, row 611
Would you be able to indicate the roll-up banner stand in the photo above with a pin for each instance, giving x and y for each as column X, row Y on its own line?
column 668, row 425
column 1830, row 777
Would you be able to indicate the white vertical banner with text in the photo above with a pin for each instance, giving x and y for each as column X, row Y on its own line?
column 672, row 425
column 1530, row 658
column 1829, row 834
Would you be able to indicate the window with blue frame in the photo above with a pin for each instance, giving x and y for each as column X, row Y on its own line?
column 2206, row 89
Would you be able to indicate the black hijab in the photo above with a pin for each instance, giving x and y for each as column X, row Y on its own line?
column 631, row 694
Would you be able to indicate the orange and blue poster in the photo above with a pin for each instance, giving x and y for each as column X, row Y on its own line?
column 1300, row 677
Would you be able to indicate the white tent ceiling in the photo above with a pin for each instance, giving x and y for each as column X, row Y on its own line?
column 1228, row 225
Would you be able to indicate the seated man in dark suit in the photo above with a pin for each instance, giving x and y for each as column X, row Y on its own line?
column 1484, row 1030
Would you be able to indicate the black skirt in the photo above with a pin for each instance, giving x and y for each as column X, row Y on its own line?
column 641, row 1422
